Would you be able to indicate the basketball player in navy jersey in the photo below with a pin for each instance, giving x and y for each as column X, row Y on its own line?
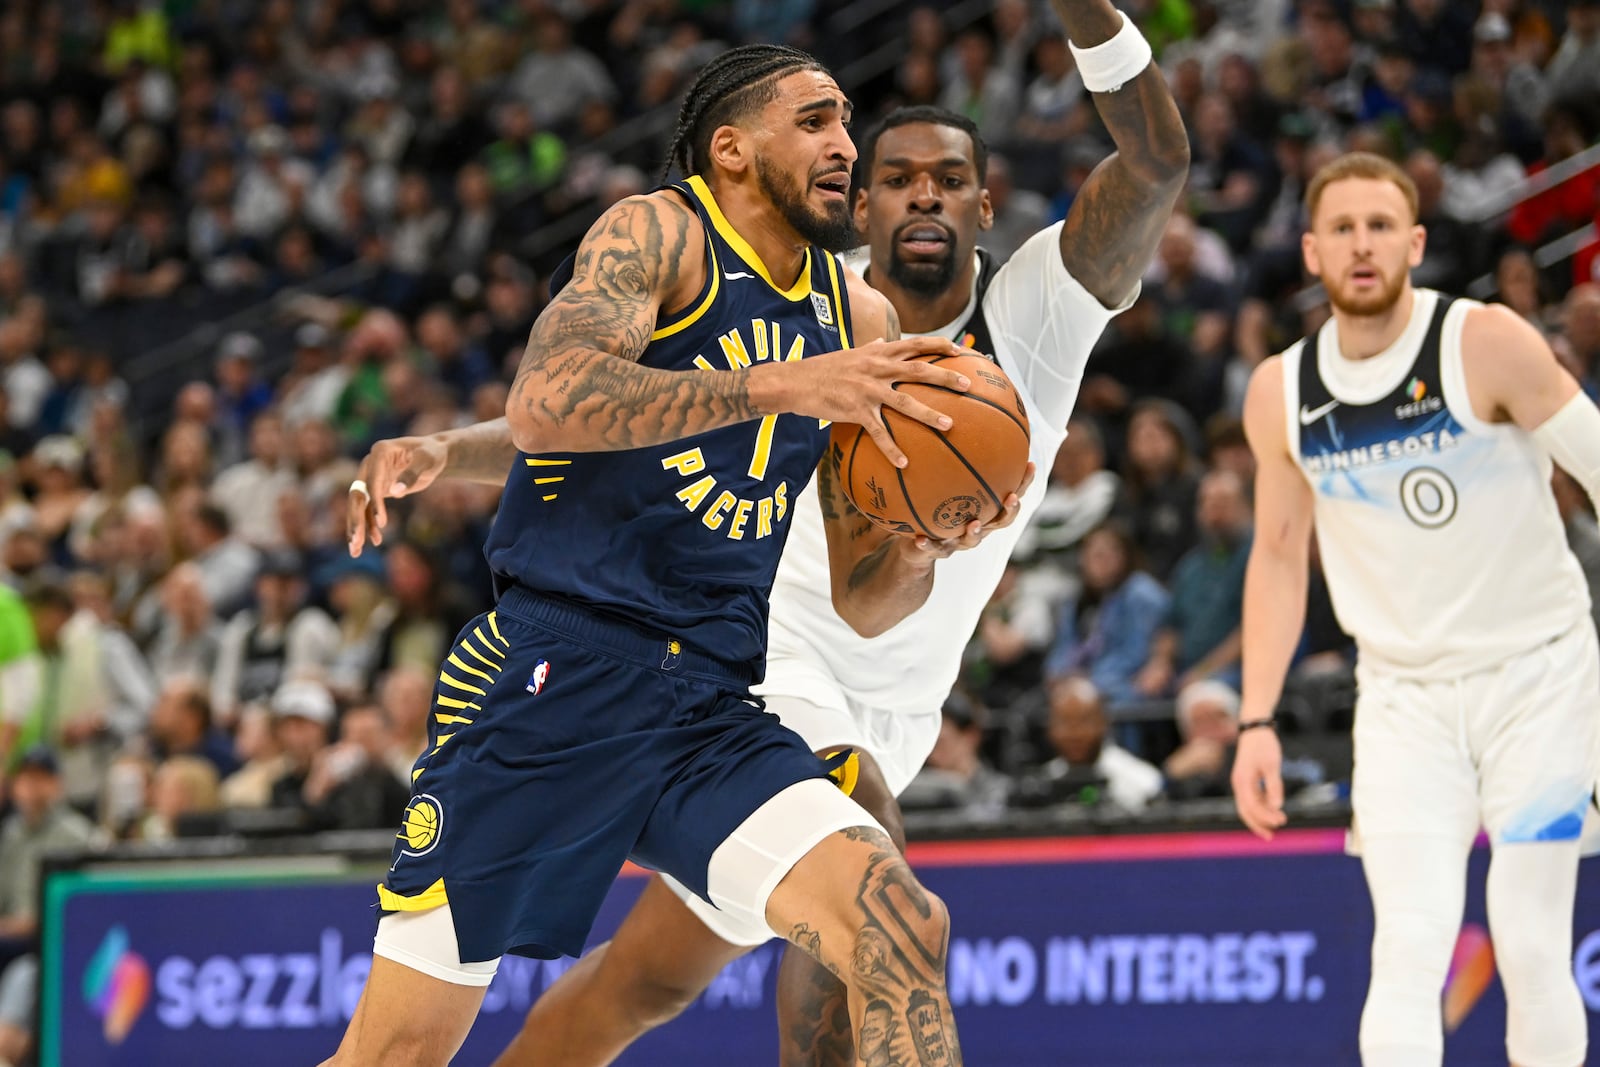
column 672, row 403
column 1416, row 431
column 922, row 206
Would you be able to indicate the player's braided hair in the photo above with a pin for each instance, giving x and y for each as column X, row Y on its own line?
column 726, row 90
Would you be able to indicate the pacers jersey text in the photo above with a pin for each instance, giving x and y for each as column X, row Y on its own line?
column 684, row 537
column 1441, row 542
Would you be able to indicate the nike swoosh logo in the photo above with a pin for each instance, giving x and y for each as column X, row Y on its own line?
column 736, row 275
column 1310, row 415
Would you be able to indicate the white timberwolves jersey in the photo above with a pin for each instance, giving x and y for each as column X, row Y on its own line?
column 1439, row 535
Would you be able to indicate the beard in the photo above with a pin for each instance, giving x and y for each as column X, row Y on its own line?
column 1376, row 302
column 832, row 228
column 925, row 277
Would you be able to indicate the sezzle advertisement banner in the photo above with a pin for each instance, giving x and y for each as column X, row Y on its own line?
column 1187, row 950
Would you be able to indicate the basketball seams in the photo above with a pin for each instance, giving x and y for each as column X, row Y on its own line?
column 969, row 396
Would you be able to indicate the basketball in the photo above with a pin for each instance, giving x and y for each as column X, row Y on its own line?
column 952, row 476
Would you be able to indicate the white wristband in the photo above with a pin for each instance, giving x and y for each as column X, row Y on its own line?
column 1110, row 65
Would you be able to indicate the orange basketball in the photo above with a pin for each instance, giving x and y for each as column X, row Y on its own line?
column 952, row 476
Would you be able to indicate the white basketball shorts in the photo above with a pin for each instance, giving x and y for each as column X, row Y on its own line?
column 1513, row 748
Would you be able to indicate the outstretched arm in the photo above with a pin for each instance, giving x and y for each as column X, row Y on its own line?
column 1118, row 216
column 400, row 466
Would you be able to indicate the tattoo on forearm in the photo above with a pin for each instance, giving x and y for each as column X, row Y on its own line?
column 869, row 566
column 579, row 371
column 1114, row 226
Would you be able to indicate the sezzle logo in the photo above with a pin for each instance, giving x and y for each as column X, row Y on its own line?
column 263, row 991
column 1421, row 402
column 116, row 985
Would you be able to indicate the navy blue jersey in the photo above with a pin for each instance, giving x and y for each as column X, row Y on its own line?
column 684, row 537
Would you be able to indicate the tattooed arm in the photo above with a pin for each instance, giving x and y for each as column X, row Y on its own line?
column 581, row 389
column 1118, row 216
column 879, row 577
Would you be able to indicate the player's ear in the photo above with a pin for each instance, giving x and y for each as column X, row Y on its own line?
column 730, row 149
column 1308, row 254
column 861, row 211
column 1419, row 245
column 985, row 211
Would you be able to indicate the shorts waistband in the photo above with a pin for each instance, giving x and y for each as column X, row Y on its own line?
column 648, row 648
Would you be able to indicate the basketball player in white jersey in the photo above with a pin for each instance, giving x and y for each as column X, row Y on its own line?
column 864, row 660
column 1416, row 432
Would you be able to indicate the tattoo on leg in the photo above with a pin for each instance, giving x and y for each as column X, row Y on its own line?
column 817, row 1010
column 897, row 964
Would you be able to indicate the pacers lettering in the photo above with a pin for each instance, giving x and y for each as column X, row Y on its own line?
column 725, row 511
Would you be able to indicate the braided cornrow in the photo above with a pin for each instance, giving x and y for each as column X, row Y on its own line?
column 725, row 90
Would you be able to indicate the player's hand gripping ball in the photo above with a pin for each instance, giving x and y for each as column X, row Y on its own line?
column 952, row 476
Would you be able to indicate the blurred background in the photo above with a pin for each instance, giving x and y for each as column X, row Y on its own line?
column 241, row 242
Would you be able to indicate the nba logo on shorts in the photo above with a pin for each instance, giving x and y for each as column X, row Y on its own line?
column 536, row 680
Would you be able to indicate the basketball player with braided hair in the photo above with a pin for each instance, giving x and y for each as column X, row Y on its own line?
column 922, row 206
column 672, row 403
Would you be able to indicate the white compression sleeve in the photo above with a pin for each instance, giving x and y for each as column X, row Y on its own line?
column 1572, row 437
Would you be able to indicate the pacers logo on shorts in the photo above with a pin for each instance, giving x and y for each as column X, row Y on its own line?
column 422, row 825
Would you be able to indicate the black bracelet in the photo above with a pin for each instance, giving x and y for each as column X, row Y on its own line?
column 1259, row 724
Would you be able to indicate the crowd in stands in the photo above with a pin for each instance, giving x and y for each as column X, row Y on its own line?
column 185, row 643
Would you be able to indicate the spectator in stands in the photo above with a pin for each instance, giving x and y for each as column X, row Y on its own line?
column 956, row 776
column 1208, row 727
column 40, row 822
column 181, row 724
column 227, row 564
column 311, row 389
column 1564, row 207
column 982, row 91
column 1018, row 213
column 1013, row 635
column 279, row 639
column 188, row 635
column 1104, row 631
column 1159, row 482
column 406, row 698
column 241, row 395
column 1199, row 638
column 1452, row 258
column 181, row 786
column 557, row 78
column 262, row 760
column 1088, row 767
column 351, row 785
column 303, row 713
column 247, row 492
column 1077, row 498
column 1517, row 286
column 1578, row 347
column 1574, row 70
column 525, row 158
column 58, row 490
column 1230, row 176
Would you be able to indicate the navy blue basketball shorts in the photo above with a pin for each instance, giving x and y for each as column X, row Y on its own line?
column 562, row 744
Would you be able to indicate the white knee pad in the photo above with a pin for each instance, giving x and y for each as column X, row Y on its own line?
column 1530, row 897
